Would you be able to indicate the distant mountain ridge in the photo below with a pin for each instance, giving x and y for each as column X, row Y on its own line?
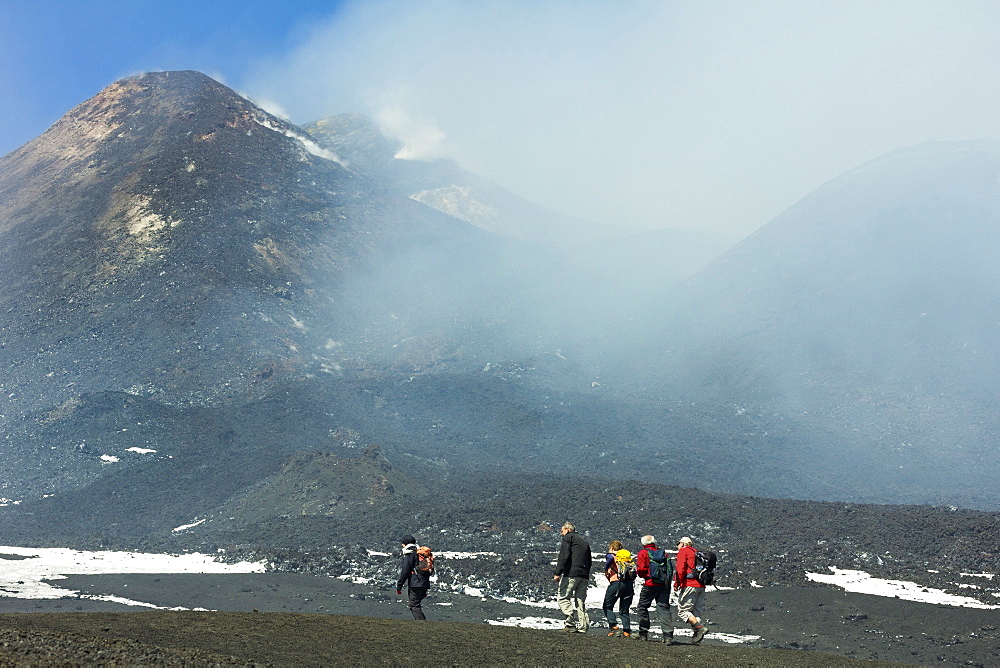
column 869, row 310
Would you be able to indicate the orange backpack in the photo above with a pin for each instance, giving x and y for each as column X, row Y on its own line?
column 425, row 561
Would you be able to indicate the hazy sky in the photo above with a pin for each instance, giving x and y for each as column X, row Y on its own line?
column 706, row 115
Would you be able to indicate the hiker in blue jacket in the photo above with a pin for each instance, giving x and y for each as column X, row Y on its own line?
column 417, row 583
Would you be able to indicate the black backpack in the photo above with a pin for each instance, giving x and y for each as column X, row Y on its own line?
column 660, row 566
column 704, row 567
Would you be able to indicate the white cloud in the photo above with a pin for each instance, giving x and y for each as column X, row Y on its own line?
column 273, row 108
column 420, row 138
column 714, row 115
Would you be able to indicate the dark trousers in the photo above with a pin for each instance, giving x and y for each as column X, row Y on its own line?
column 621, row 592
column 659, row 594
column 415, row 595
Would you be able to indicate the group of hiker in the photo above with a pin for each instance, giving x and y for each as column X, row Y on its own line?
column 668, row 581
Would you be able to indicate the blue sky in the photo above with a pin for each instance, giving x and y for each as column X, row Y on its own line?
column 699, row 114
column 55, row 54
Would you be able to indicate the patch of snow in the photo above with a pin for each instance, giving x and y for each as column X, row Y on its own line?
column 185, row 527
column 731, row 638
column 863, row 583
column 308, row 144
column 110, row 459
column 554, row 624
column 546, row 623
column 551, row 604
column 141, row 451
column 465, row 555
column 30, row 577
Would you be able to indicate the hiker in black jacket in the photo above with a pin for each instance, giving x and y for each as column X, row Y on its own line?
column 417, row 583
column 573, row 575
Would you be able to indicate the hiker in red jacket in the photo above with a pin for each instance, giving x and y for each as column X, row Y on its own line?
column 655, row 588
column 690, row 592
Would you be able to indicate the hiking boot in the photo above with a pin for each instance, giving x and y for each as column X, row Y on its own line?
column 613, row 631
column 569, row 629
column 699, row 633
column 642, row 636
column 626, row 634
column 668, row 638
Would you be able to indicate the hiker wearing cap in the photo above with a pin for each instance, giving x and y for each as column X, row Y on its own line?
column 690, row 592
column 573, row 575
column 656, row 567
column 620, row 571
column 417, row 581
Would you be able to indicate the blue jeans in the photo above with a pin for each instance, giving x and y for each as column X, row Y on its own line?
column 621, row 592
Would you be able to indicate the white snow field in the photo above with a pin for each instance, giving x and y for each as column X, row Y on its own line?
column 863, row 583
column 23, row 570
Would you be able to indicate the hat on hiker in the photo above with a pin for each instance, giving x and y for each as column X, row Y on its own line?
column 685, row 541
column 408, row 540
column 647, row 540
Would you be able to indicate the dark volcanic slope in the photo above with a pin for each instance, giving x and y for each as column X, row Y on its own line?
column 322, row 514
column 169, row 238
column 171, row 255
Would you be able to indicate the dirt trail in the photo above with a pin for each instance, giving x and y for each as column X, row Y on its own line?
column 228, row 638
